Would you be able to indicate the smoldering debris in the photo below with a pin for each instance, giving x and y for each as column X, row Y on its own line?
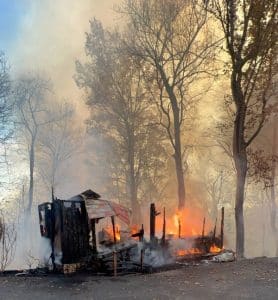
column 226, row 256
column 80, row 238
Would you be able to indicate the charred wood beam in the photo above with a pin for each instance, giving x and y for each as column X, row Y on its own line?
column 163, row 239
column 115, row 263
column 179, row 224
column 142, row 260
column 203, row 230
column 53, row 238
column 152, row 222
column 222, row 228
column 141, row 237
column 94, row 239
column 114, row 230
column 52, row 193
column 214, row 231
column 139, row 234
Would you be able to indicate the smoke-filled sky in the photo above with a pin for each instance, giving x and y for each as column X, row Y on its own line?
column 49, row 35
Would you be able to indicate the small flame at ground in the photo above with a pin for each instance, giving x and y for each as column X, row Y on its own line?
column 109, row 231
column 183, row 252
column 215, row 249
column 134, row 229
column 117, row 233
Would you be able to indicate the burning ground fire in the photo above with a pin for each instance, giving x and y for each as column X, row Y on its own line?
column 109, row 243
column 186, row 225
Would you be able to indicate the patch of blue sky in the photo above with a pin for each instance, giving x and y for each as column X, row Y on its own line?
column 12, row 13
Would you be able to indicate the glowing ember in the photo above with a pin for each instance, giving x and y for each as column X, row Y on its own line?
column 109, row 231
column 176, row 218
column 134, row 229
column 193, row 232
column 214, row 249
column 183, row 252
column 118, row 234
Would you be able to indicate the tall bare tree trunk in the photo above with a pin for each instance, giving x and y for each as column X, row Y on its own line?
column 241, row 169
column 178, row 161
column 177, row 141
column 240, row 159
column 132, row 184
column 136, row 211
column 252, row 64
column 31, row 179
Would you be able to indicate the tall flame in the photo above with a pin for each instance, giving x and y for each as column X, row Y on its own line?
column 190, row 221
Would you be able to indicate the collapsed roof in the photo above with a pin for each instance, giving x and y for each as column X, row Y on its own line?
column 98, row 208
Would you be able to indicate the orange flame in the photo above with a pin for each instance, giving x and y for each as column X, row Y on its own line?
column 215, row 249
column 190, row 221
column 134, row 229
column 117, row 233
column 183, row 252
column 109, row 230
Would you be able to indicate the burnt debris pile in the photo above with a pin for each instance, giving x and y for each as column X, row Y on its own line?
column 81, row 238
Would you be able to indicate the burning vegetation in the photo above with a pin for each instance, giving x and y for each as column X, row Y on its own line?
column 81, row 236
column 158, row 127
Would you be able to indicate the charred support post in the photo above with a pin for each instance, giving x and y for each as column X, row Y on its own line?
column 163, row 239
column 222, row 228
column 114, row 230
column 141, row 237
column 94, row 239
column 115, row 263
column 214, row 231
column 203, row 230
column 141, row 259
column 152, row 222
column 52, row 193
column 139, row 234
column 52, row 237
column 179, row 222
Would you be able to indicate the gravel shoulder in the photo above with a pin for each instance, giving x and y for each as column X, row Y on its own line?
column 246, row 279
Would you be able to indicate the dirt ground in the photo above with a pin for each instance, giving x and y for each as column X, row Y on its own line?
column 247, row 279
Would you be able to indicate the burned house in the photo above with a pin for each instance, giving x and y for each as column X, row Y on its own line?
column 78, row 239
column 70, row 225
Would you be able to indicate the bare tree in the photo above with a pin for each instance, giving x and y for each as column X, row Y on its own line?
column 58, row 141
column 250, row 30
column 120, row 112
column 5, row 100
column 6, row 128
column 214, row 187
column 174, row 41
column 7, row 242
column 30, row 96
column 1, row 228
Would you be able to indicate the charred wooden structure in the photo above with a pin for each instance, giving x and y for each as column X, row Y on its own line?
column 65, row 223
column 71, row 226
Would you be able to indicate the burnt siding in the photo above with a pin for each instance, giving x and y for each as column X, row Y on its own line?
column 75, row 233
